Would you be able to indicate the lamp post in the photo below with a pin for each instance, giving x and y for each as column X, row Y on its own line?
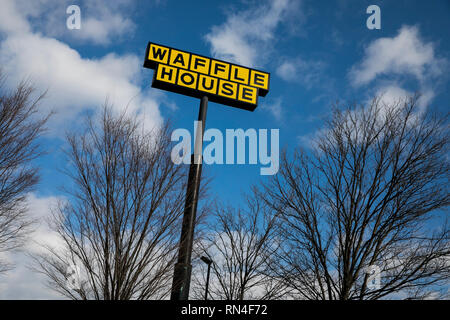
column 208, row 262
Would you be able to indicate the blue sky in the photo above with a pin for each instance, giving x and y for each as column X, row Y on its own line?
column 317, row 52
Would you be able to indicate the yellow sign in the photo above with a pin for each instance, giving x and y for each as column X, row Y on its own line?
column 197, row 76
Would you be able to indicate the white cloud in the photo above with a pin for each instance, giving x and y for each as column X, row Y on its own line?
column 101, row 31
column 391, row 60
column 307, row 73
column 101, row 22
column 287, row 71
column 310, row 140
column 11, row 19
column 75, row 83
column 391, row 94
column 247, row 36
column 105, row 22
column 21, row 282
column 404, row 54
column 274, row 107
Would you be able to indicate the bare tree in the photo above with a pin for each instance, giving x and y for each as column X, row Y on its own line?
column 240, row 242
column 20, row 128
column 363, row 216
column 120, row 224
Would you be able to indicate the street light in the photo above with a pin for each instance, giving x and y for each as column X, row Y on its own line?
column 208, row 262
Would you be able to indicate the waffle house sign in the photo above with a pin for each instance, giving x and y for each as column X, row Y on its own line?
column 197, row 76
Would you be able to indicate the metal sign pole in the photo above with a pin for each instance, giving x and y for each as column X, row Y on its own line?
column 211, row 80
column 183, row 268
